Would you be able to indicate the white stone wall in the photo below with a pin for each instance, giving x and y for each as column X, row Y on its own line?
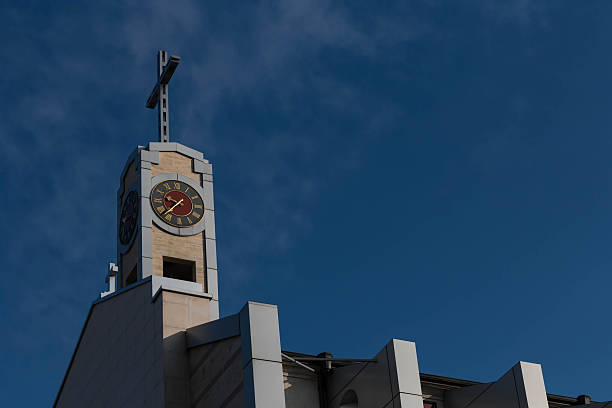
column 117, row 361
column 216, row 374
column 390, row 382
column 301, row 387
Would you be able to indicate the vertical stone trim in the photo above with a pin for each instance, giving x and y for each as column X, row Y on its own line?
column 261, row 356
column 210, row 241
column 214, row 309
column 530, row 385
column 404, row 374
column 145, row 263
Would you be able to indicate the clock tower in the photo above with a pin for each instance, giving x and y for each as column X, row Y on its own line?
column 165, row 211
column 154, row 338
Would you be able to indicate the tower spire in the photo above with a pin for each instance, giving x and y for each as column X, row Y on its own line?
column 159, row 95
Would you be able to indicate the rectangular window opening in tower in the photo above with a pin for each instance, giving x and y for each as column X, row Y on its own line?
column 179, row 269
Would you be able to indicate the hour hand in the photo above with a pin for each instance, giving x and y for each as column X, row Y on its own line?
column 173, row 200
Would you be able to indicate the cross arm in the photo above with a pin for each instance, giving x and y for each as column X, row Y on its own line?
column 164, row 78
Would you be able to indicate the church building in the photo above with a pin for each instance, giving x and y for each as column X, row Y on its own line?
column 155, row 339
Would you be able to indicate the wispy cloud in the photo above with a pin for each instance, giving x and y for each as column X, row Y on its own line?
column 525, row 13
column 76, row 110
column 77, row 103
column 66, row 116
column 266, row 89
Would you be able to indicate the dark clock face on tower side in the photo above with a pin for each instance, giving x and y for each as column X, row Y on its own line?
column 128, row 218
column 177, row 203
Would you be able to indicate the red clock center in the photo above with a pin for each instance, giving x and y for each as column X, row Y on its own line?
column 179, row 202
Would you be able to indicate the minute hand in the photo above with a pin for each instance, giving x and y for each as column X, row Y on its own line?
column 172, row 208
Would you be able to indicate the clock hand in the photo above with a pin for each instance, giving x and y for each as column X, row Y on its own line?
column 172, row 199
column 172, row 208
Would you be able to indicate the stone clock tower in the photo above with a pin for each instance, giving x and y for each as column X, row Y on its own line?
column 154, row 338
column 166, row 228
column 166, row 212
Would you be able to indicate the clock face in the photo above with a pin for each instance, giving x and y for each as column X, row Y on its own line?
column 177, row 203
column 128, row 218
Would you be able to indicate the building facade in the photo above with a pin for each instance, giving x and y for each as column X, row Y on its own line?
column 155, row 339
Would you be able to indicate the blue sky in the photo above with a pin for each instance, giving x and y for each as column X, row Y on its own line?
column 432, row 171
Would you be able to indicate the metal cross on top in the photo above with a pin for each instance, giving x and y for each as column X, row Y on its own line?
column 159, row 94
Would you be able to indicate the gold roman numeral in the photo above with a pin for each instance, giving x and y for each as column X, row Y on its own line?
column 196, row 215
column 186, row 189
column 177, row 185
column 167, row 186
column 168, row 217
column 159, row 191
column 194, row 197
column 197, row 206
column 179, row 222
column 160, row 209
column 157, row 200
